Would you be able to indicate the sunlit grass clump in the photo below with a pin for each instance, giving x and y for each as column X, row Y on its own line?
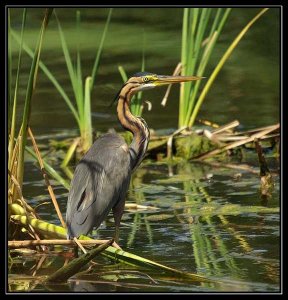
column 201, row 31
column 79, row 103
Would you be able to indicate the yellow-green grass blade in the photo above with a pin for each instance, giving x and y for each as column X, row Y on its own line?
column 79, row 84
column 136, row 106
column 70, row 153
column 123, row 74
column 183, row 62
column 193, row 58
column 87, row 134
column 100, row 49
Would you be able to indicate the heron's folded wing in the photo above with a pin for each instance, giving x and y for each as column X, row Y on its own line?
column 98, row 180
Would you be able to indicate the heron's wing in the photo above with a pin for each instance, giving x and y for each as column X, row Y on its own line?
column 100, row 179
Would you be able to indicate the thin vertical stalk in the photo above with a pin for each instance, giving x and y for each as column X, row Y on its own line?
column 29, row 92
column 79, row 85
column 184, row 64
column 13, row 120
column 87, row 141
column 136, row 106
column 71, row 72
column 99, row 52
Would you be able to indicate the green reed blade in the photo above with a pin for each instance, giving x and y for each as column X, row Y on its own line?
column 29, row 92
column 100, row 49
column 13, row 114
column 71, row 71
column 79, row 84
column 50, row 76
column 122, row 73
column 87, row 141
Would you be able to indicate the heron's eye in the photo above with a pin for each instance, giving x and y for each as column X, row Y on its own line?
column 145, row 79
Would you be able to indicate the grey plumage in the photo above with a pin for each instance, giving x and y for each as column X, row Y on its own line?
column 100, row 182
column 102, row 177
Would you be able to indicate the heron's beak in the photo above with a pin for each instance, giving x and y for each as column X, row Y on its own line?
column 164, row 80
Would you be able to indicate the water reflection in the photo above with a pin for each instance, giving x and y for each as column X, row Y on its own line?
column 219, row 241
column 204, row 224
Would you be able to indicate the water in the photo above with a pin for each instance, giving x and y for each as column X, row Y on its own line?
column 190, row 230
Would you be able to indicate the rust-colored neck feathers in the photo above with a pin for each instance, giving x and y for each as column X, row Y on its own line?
column 132, row 123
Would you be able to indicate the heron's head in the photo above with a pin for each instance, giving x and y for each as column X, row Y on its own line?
column 146, row 81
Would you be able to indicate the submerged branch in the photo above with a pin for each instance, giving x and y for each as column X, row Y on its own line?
column 75, row 265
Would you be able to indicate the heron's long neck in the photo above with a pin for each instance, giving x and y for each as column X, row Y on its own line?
column 133, row 124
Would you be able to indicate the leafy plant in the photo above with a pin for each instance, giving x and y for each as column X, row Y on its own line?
column 196, row 50
column 200, row 32
column 82, row 91
column 16, row 148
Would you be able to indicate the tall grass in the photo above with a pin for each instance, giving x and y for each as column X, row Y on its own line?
column 82, row 91
column 136, row 101
column 200, row 32
column 82, row 88
column 13, row 102
column 16, row 149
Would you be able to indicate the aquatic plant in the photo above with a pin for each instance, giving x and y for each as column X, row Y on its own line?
column 200, row 32
column 81, row 91
column 17, row 142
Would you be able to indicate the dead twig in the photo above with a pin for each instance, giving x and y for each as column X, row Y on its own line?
column 79, row 245
column 137, row 206
column 226, row 127
column 175, row 73
column 75, row 265
column 50, row 189
column 70, row 243
column 237, row 143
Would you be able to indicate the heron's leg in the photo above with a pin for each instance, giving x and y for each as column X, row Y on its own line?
column 117, row 232
column 117, row 213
